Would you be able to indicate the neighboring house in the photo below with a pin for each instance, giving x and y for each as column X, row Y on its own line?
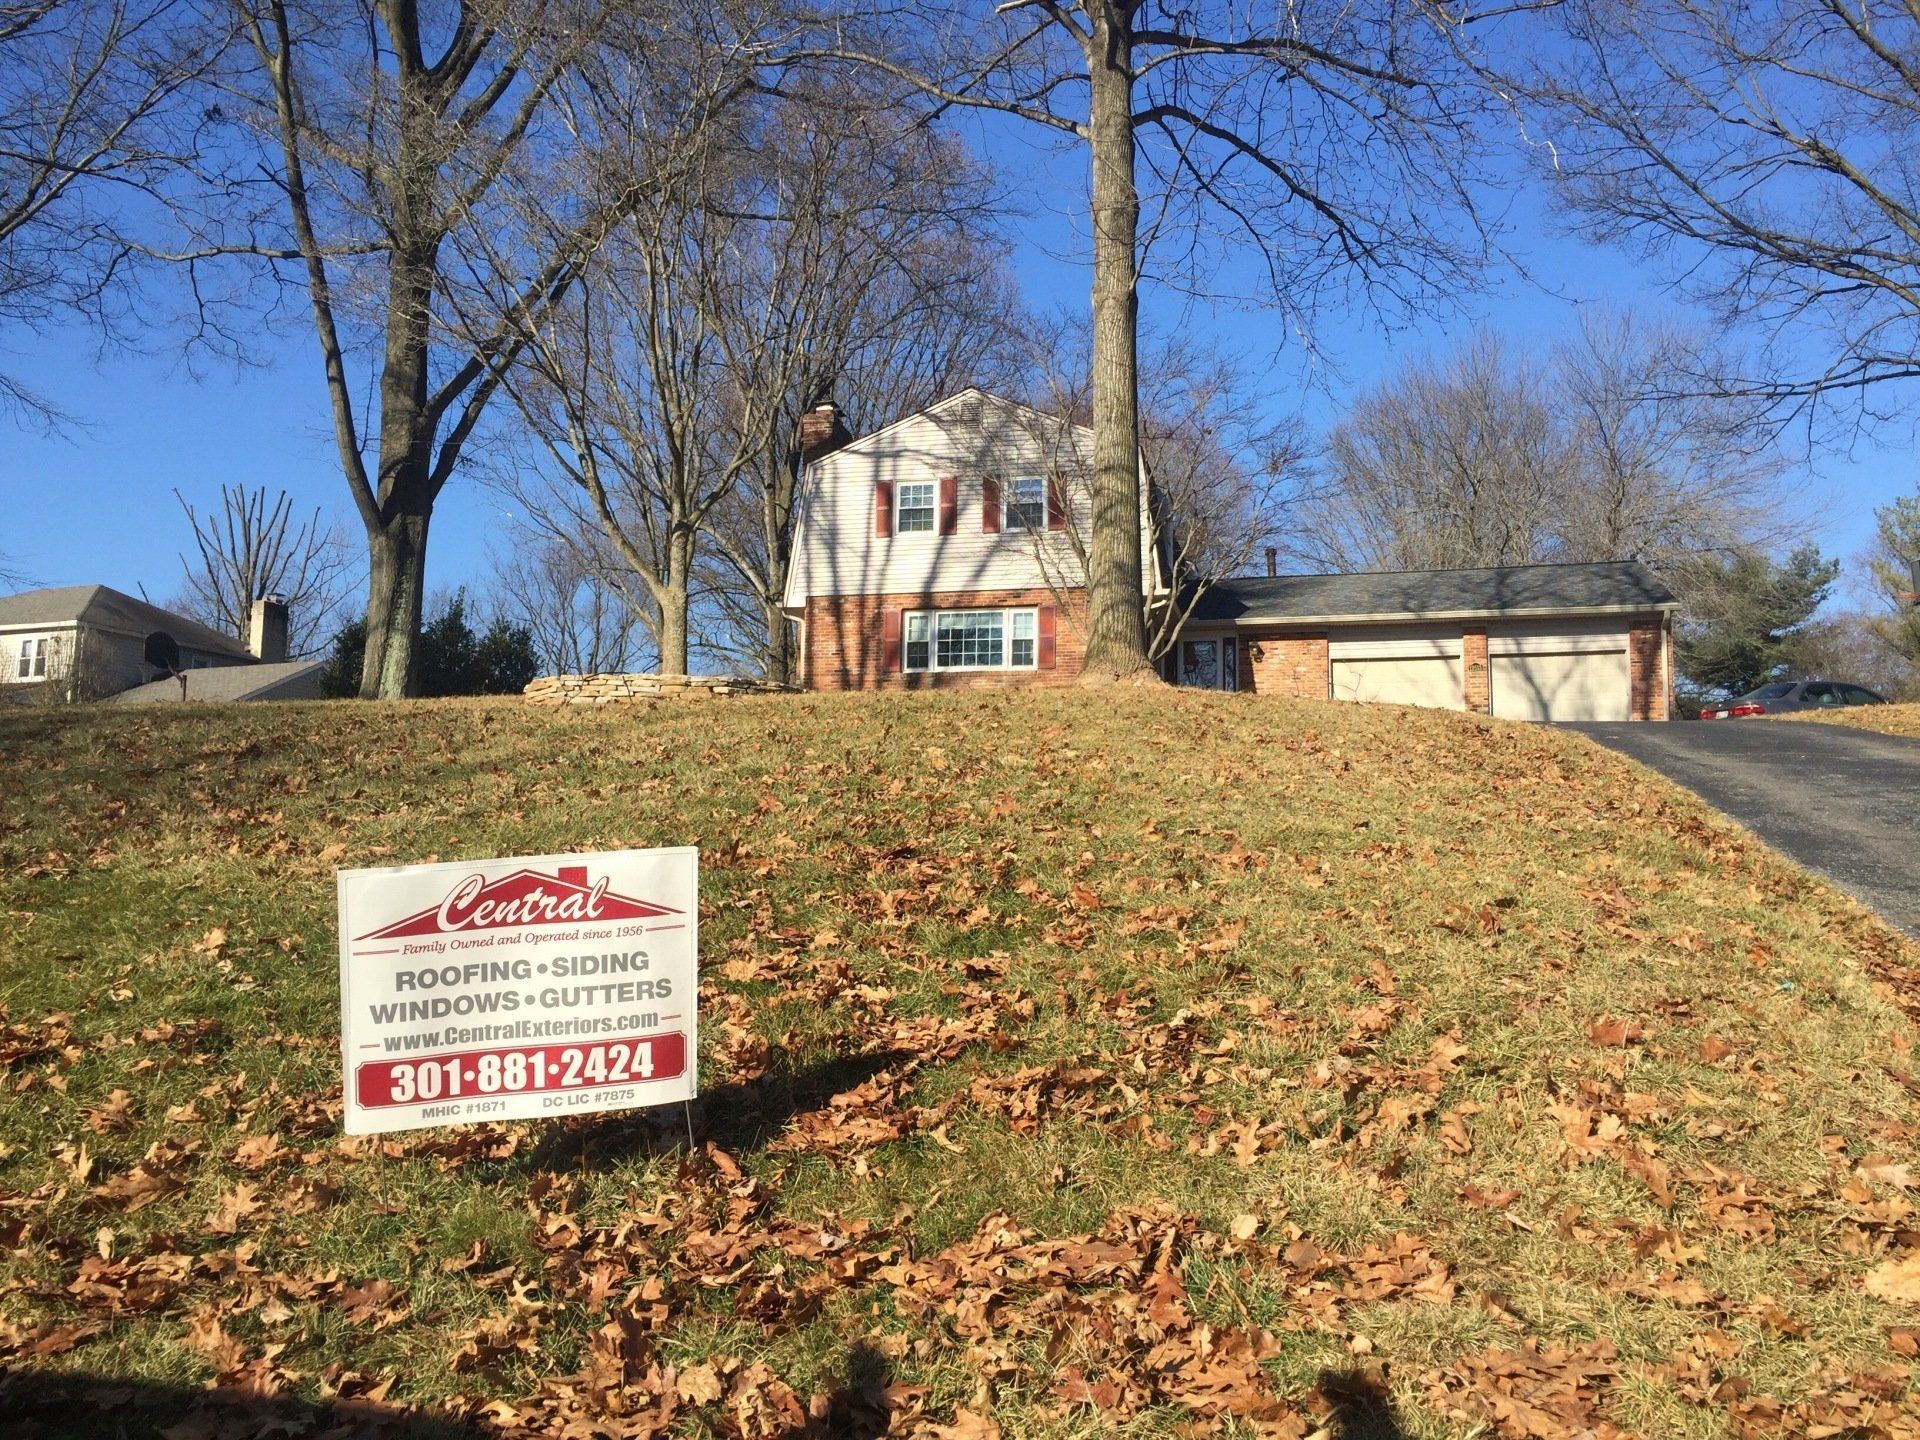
column 941, row 551
column 87, row 642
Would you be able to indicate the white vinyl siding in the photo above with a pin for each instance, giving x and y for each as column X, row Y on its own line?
column 838, row 552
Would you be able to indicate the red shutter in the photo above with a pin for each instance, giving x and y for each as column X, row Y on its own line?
column 1056, row 503
column 949, row 503
column 890, row 641
column 990, row 505
column 1044, row 626
column 883, row 507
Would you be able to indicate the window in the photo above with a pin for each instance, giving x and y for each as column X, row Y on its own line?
column 33, row 659
column 970, row 640
column 1026, row 502
column 916, row 506
column 1021, row 628
column 1860, row 695
column 1821, row 694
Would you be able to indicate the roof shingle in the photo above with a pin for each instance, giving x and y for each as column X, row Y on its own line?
column 1614, row 585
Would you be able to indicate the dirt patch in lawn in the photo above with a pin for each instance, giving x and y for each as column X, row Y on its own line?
column 1148, row 1062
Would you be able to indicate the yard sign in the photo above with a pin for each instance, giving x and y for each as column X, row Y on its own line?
column 512, row 989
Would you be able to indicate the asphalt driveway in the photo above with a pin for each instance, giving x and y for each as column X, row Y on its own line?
column 1842, row 802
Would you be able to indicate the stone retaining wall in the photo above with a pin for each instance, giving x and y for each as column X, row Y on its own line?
column 621, row 689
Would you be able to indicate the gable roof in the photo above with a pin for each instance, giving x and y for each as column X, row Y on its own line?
column 104, row 608
column 973, row 394
column 1616, row 585
column 293, row 680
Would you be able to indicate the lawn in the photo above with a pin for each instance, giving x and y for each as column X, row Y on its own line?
column 1887, row 719
column 1147, row 1064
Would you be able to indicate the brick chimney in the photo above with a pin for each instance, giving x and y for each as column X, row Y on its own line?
column 1273, row 561
column 822, row 432
column 267, row 630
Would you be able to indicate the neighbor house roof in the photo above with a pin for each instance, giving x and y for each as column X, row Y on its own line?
column 1619, row 585
column 294, row 680
column 104, row 608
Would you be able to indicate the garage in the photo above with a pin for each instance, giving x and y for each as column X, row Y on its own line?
column 1561, row 672
column 1400, row 665
column 1555, row 643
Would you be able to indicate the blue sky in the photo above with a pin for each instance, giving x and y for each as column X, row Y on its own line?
column 97, row 505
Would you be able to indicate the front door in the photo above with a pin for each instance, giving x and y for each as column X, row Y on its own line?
column 1209, row 664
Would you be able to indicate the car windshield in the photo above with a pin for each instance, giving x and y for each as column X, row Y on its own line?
column 1778, row 691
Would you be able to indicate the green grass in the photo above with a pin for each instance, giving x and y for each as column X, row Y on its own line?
column 1071, row 1064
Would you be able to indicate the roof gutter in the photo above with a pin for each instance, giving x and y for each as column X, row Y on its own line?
column 1376, row 617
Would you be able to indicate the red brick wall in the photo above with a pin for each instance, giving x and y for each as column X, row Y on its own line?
column 1473, row 656
column 843, row 637
column 1294, row 666
column 1647, row 671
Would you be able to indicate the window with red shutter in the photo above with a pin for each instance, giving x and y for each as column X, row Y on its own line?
column 1056, row 503
column 1048, row 627
column 949, row 503
column 990, row 505
column 890, row 641
column 883, row 508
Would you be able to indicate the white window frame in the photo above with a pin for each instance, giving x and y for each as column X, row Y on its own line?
column 932, row 507
column 1010, row 516
column 929, row 622
column 31, row 659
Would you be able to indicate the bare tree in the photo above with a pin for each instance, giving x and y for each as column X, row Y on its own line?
column 1219, row 472
column 400, row 144
column 1448, row 464
column 1600, row 449
column 580, row 624
column 95, row 109
column 665, row 392
column 1764, row 147
column 892, row 297
column 12, row 577
column 1337, row 141
column 255, row 546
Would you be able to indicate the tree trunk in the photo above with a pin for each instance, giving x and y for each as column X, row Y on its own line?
column 1116, row 623
column 673, row 601
column 396, row 585
column 397, row 537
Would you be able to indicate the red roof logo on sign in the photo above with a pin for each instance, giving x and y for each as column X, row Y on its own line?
column 526, row 897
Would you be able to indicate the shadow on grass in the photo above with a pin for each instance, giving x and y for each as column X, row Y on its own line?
column 1360, row 1409
column 739, row 1118
column 36, row 1405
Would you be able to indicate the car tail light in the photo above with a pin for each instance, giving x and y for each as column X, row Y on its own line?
column 1738, row 710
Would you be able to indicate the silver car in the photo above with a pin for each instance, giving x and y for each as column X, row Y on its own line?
column 1784, row 695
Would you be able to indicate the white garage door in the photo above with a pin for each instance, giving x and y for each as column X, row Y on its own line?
column 1582, row 675
column 1399, row 665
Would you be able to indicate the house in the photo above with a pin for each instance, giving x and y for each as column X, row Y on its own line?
column 88, row 642
column 943, row 550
